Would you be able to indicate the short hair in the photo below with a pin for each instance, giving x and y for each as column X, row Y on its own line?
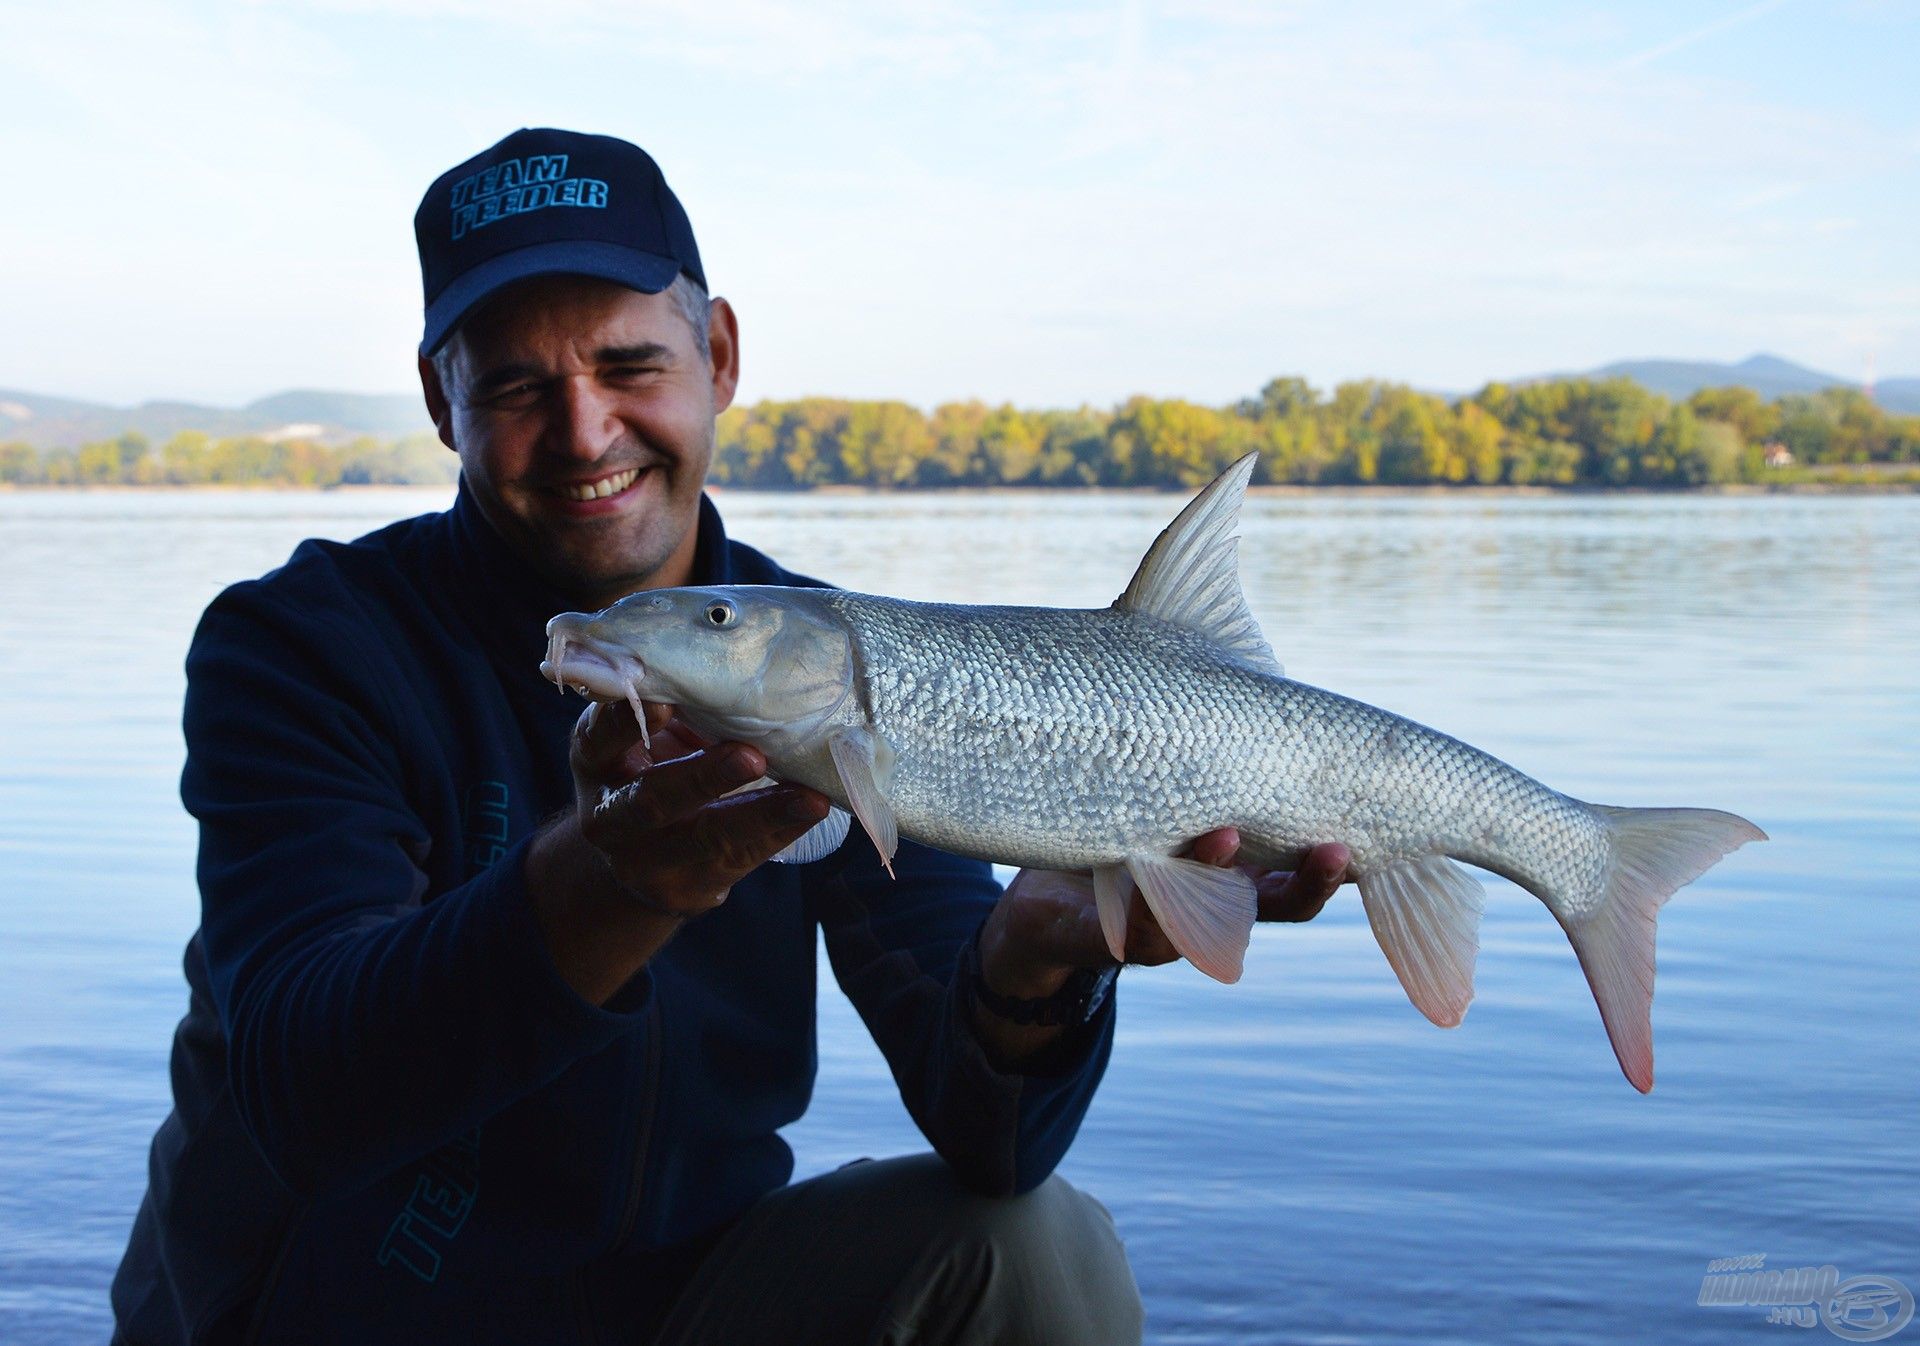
column 689, row 296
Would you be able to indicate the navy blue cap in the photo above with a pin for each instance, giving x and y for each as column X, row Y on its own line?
column 544, row 202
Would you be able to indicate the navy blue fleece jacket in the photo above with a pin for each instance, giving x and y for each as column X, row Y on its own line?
column 393, row 1120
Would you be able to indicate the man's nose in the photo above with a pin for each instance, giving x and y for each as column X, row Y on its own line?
column 584, row 425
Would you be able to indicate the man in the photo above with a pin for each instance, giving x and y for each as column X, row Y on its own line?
column 453, row 1073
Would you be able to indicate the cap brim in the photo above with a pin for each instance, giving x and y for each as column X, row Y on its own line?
column 609, row 261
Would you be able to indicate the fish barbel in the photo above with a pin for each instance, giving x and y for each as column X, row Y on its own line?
column 1105, row 740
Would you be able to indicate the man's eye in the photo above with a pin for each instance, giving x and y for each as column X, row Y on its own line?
column 515, row 395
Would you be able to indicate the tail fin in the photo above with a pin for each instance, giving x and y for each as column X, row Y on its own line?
column 1655, row 853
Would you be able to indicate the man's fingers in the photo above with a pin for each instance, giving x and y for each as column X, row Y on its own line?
column 676, row 740
column 738, row 834
column 690, row 862
column 1299, row 896
column 602, row 737
column 671, row 791
column 1217, row 847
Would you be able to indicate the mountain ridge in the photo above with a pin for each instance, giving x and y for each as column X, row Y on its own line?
column 47, row 422
column 1769, row 375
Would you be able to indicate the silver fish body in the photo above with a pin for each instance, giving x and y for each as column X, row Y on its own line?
column 1106, row 740
column 1132, row 733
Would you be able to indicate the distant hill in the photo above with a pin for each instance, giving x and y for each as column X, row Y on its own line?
column 1901, row 395
column 335, row 417
column 62, row 423
column 1768, row 375
column 361, row 413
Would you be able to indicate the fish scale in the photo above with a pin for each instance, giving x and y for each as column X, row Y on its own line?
column 1123, row 708
column 1106, row 740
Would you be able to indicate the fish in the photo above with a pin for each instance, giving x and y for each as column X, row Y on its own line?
column 1103, row 741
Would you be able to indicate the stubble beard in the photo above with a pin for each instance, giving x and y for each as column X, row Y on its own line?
column 605, row 559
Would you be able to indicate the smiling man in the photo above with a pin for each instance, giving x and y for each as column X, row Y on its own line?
column 497, row 1013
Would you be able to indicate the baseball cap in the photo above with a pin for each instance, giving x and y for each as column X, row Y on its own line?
column 546, row 202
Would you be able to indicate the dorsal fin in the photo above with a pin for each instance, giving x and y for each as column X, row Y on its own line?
column 1191, row 574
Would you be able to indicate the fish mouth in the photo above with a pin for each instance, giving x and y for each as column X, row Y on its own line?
column 576, row 661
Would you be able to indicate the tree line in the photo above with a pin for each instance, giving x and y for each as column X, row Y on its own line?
column 193, row 458
column 1571, row 432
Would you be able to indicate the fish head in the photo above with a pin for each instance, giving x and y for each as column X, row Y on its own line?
column 740, row 661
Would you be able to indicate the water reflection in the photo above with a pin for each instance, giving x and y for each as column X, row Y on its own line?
column 1301, row 1157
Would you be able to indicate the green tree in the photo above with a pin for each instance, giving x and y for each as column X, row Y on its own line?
column 1282, row 399
column 889, row 441
column 1072, row 444
column 1009, row 447
column 1478, row 442
column 1413, row 446
column 19, row 465
column 186, row 459
column 1720, row 453
column 1745, row 410
column 955, row 456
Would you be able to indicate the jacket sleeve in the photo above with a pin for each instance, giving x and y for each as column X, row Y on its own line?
column 895, row 947
column 365, row 1024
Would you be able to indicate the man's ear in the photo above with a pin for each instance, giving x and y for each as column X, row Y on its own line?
column 723, row 340
column 438, row 405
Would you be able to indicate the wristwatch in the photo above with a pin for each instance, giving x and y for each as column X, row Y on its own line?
column 1075, row 1004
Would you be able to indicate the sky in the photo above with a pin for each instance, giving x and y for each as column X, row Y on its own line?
column 1043, row 203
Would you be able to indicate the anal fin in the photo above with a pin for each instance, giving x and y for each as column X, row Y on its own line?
column 1426, row 914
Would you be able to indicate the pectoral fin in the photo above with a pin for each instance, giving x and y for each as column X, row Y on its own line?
column 865, row 763
column 1207, row 912
column 1426, row 914
column 818, row 841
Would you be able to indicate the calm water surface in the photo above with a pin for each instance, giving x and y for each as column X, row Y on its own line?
column 1297, row 1158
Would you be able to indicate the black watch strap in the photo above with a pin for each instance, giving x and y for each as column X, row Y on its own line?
column 1076, row 1002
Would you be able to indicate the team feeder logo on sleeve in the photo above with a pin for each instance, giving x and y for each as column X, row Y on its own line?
column 517, row 186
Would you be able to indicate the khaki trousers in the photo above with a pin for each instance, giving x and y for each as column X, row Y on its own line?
column 895, row 1252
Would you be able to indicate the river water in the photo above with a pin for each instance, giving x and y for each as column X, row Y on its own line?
column 1300, row 1157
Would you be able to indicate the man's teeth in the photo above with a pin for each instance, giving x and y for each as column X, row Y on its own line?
column 601, row 489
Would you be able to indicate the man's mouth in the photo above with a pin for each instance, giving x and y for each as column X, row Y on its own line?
column 599, row 488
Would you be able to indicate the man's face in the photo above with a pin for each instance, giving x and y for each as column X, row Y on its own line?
column 583, row 415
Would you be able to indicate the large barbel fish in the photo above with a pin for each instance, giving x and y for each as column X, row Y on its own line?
column 1106, row 740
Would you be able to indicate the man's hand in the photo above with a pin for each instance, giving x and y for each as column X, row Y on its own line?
column 676, row 837
column 655, row 836
column 1046, row 926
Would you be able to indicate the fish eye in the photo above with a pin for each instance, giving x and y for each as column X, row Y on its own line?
column 721, row 613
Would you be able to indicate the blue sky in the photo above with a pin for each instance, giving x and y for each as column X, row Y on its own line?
column 1045, row 203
